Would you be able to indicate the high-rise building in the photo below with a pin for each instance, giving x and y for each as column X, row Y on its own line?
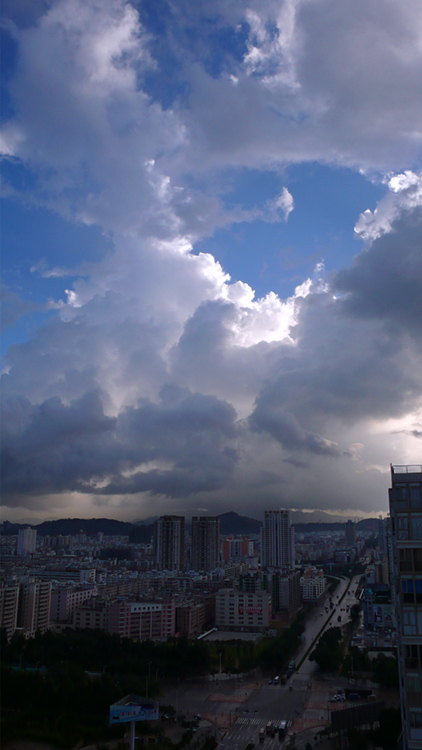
column 9, row 600
column 350, row 533
column 406, row 539
column 169, row 542
column 205, row 543
column 277, row 540
column 34, row 607
column 27, row 541
column 382, row 535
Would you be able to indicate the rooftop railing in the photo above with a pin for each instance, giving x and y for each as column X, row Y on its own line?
column 407, row 469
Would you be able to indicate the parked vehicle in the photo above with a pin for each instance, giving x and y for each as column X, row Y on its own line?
column 276, row 680
column 262, row 734
column 282, row 730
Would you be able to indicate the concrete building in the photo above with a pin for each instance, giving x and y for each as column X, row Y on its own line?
column 382, row 534
column 92, row 616
column 406, row 538
column 350, row 533
column 137, row 620
column 277, row 540
column 190, row 619
column 65, row 599
column 205, row 543
column 9, row 600
column 169, row 543
column 27, row 542
column 238, row 609
column 237, row 549
column 377, row 608
column 34, row 607
column 313, row 585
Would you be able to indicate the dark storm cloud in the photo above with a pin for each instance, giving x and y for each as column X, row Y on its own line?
column 285, row 428
column 386, row 283
column 56, row 447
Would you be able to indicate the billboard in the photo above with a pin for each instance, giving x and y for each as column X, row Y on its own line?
column 356, row 716
column 250, row 610
column 133, row 708
column 383, row 615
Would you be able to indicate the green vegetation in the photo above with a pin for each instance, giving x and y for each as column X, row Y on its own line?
column 57, row 688
column 383, row 669
column 327, row 653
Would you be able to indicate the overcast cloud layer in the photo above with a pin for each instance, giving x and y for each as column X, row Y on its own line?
column 157, row 384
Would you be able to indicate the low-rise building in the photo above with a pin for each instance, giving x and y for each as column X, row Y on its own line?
column 251, row 611
column 313, row 585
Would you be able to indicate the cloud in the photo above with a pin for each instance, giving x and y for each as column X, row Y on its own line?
column 385, row 283
column 184, row 444
column 156, row 374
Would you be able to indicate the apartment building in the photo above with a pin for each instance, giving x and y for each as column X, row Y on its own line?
column 277, row 540
column 405, row 498
column 235, row 610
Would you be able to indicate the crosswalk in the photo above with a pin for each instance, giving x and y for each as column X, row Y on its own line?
column 257, row 722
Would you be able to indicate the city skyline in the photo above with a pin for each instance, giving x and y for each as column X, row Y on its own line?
column 211, row 256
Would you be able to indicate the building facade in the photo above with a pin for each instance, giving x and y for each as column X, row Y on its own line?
column 237, row 609
column 205, row 543
column 405, row 498
column 277, row 540
column 9, row 600
column 34, row 607
column 169, row 543
column 313, row 585
column 27, row 542
column 350, row 533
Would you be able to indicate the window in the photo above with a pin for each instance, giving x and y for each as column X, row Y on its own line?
column 401, row 493
column 417, row 560
column 413, row 683
column 417, row 527
column 407, row 588
column 403, row 527
column 415, row 496
column 411, row 656
column 415, row 724
column 405, row 560
column 418, row 588
column 409, row 622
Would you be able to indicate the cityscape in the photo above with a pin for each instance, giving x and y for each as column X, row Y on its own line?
column 211, row 375
column 345, row 600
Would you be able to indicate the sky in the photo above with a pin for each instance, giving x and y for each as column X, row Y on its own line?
column 211, row 255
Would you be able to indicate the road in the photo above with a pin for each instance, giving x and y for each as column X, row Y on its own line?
column 240, row 707
column 288, row 702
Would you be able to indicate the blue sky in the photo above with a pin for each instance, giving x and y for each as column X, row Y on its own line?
column 205, row 211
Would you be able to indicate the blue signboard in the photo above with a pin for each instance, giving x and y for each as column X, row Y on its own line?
column 133, row 708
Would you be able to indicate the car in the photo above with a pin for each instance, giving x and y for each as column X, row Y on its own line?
column 290, row 688
column 339, row 618
column 334, row 699
column 270, row 682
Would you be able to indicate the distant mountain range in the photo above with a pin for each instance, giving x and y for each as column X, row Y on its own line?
column 231, row 523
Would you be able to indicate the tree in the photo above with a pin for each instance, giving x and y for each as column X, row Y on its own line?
column 389, row 728
column 327, row 653
column 386, row 671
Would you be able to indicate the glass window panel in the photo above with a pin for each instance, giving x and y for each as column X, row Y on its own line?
column 403, row 527
column 401, row 492
column 417, row 527
column 415, row 495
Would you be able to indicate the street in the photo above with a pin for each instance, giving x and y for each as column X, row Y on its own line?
column 239, row 708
